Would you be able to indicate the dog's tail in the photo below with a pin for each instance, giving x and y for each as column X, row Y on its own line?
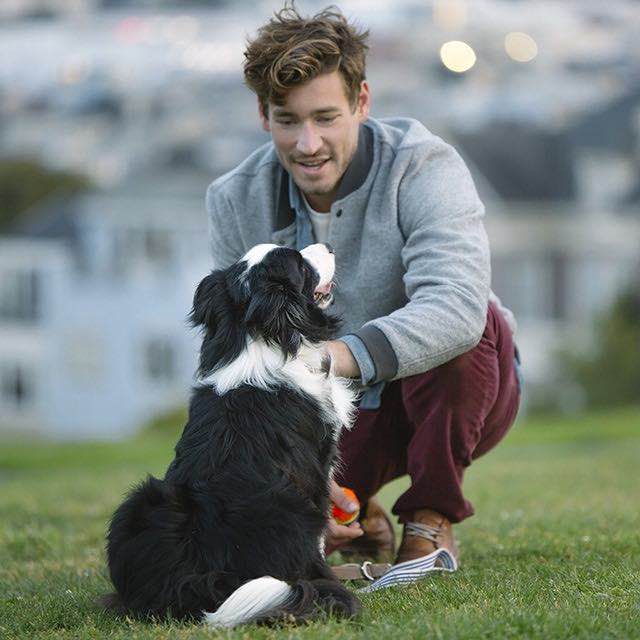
column 267, row 600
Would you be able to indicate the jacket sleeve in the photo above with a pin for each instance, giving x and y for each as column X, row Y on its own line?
column 225, row 241
column 447, row 270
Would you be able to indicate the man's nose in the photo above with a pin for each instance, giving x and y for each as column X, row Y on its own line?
column 309, row 142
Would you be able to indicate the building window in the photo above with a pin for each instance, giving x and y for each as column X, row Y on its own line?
column 157, row 246
column 559, row 263
column 149, row 249
column 20, row 295
column 160, row 360
column 16, row 386
column 535, row 286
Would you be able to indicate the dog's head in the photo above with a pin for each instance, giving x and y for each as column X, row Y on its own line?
column 273, row 293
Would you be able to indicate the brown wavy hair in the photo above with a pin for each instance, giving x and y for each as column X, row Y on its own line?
column 290, row 50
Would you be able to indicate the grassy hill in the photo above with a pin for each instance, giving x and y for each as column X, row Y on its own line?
column 553, row 551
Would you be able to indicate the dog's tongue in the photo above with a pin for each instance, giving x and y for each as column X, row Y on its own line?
column 325, row 288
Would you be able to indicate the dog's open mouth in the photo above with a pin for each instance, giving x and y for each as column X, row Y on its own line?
column 323, row 296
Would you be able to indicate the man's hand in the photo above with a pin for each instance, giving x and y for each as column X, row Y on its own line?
column 342, row 361
column 337, row 534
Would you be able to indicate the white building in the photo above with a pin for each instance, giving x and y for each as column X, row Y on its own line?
column 93, row 332
column 558, row 270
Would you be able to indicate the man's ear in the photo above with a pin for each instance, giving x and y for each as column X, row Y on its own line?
column 264, row 119
column 363, row 105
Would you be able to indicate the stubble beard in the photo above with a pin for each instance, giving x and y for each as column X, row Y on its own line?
column 319, row 190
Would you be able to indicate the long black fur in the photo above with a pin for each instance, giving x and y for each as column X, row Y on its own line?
column 246, row 494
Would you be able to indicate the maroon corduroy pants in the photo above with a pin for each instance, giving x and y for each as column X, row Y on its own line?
column 432, row 425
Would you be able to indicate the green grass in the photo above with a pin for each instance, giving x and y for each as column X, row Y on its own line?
column 553, row 552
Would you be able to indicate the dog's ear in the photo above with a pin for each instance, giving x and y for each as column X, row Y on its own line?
column 217, row 307
column 208, row 299
column 276, row 313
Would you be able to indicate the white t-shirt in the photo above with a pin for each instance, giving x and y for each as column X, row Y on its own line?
column 320, row 223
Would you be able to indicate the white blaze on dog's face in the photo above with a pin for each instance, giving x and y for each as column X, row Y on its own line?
column 322, row 259
column 256, row 254
column 319, row 256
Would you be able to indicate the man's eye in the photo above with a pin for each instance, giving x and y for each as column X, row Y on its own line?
column 326, row 119
column 285, row 122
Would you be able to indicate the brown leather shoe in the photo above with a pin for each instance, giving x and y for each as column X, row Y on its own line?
column 378, row 543
column 428, row 531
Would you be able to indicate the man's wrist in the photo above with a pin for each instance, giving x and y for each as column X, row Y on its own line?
column 362, row 357
column 343, row 363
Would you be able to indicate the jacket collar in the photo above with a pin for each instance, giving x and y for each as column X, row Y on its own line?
column 353, row 178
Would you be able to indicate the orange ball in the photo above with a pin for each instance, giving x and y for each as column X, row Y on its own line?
column 346, row 517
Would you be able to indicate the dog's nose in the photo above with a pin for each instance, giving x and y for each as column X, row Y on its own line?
column 329, row 247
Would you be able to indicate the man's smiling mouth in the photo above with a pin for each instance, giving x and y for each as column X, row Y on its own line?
column 312, row 165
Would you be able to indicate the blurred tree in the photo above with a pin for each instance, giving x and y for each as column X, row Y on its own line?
column 24, row 182
column 610, row 374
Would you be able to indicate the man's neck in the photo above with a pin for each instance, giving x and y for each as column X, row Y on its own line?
column 322, row 202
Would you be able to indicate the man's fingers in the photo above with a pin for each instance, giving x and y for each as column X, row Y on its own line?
column 338, row 498
column 339, row 533
column 351, row 531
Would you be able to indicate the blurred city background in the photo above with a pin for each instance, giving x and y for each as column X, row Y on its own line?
column 115, row 115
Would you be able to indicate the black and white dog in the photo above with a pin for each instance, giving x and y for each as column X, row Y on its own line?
column 234, row 531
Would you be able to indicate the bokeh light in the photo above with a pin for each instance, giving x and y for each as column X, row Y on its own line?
column 520, row 47
column 457, row 56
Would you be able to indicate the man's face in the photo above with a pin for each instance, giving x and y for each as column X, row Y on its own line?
column 315, row 134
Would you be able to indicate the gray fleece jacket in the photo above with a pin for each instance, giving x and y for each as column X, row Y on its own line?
column 412, row 257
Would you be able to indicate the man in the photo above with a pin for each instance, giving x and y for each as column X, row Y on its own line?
column 398, row 206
